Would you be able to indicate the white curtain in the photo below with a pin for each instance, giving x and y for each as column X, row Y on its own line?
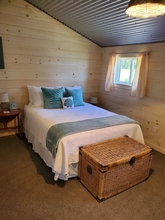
column 140, row 78
column 110, row 73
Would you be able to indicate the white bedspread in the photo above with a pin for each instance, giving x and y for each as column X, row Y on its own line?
column 38, row 120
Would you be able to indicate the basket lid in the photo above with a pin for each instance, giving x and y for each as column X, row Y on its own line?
column 115, row 151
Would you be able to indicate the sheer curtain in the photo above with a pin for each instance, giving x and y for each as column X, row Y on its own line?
column 110, row 73
column 140, row 78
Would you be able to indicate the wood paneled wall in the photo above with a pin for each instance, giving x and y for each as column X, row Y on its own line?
column 40, row 51
column 150, row 111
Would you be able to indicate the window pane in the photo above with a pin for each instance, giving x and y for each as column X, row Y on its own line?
column 125, row 70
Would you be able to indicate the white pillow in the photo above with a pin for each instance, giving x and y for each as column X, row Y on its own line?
column 36, row 96
column 67, row 102
column 30, row 95
column 73, row 87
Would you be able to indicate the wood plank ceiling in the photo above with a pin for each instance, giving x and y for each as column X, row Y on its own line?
column 104, row 21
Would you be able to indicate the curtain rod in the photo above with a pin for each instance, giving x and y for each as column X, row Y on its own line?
column 130, row 52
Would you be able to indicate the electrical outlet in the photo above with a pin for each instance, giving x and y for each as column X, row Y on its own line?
column 154, row 129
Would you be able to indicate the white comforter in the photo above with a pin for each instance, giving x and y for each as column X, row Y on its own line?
column 38, row 120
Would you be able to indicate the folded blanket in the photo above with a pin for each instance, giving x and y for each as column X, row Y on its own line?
column 56, row 132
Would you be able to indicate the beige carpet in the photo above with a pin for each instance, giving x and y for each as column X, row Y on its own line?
column 28, row 191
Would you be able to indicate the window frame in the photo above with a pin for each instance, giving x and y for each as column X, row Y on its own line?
column 117, row 72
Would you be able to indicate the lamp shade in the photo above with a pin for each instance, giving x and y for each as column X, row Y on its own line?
column 146, row 9
column 94, row 100
column 4, row 97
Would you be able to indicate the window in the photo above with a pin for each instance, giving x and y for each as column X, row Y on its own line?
column 116, row 72
column 125, row 70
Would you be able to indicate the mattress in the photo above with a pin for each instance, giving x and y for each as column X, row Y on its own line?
column 37, row 121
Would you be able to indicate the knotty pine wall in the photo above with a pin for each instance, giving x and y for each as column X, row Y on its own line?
column 150, row 111
column 40, row 51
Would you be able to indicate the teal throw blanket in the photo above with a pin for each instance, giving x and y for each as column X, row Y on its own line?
column 56, row 132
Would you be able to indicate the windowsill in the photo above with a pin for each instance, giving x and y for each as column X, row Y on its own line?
column 118, row 85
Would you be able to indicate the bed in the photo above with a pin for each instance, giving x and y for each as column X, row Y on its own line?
column 37, row 120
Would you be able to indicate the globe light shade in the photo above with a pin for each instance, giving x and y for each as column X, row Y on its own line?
column 145, row 9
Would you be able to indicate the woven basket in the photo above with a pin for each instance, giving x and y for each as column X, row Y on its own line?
column 112, row 166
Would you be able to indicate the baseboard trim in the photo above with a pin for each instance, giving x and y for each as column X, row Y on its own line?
column 155, row 147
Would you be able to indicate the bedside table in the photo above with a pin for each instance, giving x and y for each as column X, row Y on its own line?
column 5, row 118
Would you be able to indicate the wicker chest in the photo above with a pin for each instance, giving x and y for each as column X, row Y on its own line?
column 112, row 166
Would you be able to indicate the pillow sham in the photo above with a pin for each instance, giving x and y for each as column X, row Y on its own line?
column 36, row 96
column 67, row 102
column 73, row 87
column 52, row 97
column 76, row 94
column 30, row 95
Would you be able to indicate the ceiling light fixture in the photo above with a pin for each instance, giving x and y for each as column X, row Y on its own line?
column 145, row 9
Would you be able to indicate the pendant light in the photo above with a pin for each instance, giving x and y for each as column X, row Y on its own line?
column 145, row 9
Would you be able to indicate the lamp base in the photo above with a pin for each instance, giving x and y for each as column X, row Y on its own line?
column 4, row 106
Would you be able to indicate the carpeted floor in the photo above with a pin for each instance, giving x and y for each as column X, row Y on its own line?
column 28, row 191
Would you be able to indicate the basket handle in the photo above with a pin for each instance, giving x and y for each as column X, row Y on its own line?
column 132, row 161
column 89, row 170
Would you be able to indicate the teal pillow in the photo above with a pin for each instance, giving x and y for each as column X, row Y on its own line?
column 77, row 96
column 52, row 97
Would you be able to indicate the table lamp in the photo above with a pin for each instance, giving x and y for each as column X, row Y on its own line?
column 4, row 99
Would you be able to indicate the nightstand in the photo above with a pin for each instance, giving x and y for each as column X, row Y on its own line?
column 5, row 118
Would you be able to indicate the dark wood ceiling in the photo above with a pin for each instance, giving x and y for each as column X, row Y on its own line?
column 104, row 21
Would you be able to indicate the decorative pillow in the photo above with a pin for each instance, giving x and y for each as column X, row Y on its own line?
column 52, row 97
column 71, row 88
column 77, row 96
column 67, row 102
column 37, row 96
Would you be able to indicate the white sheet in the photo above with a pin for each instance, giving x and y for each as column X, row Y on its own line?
column 38, row 120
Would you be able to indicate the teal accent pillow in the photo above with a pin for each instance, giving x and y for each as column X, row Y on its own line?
column 52, row 97
column 77, row 96
column 67, row 102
